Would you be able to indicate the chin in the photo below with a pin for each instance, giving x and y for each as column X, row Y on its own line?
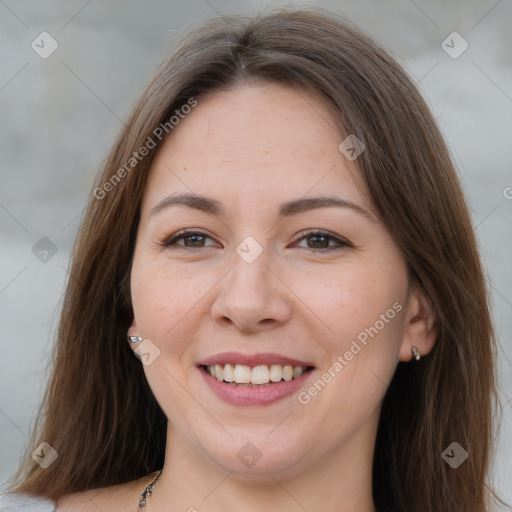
column 254, row 455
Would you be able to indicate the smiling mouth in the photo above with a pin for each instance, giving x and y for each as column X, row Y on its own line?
column 255, row 376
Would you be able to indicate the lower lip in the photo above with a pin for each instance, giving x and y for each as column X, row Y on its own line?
column 258, row 395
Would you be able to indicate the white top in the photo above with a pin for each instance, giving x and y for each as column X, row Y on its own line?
column 25, row 503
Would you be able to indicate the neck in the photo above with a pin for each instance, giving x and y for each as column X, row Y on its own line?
column 339, row 481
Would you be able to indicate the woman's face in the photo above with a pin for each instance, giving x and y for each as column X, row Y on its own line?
column 270, row 279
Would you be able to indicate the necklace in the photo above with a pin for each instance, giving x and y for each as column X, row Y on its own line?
column 147, row 492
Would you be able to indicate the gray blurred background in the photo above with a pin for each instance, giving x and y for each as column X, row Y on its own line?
column 60, row 113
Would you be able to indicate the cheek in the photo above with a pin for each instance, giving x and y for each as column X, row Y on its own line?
column 349, row 300
column 164, row 300
column 364, row 310
column 367, row 318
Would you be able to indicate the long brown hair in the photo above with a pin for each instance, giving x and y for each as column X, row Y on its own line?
column 99, row 413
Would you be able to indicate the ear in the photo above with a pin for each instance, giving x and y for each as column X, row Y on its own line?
column 420, row 330
column 133, row 331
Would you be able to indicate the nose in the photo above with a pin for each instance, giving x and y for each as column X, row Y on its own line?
column 252, row 297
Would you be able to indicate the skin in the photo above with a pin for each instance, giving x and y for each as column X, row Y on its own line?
column 253, row 148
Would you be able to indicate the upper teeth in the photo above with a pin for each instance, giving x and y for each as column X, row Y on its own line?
column 262, row 374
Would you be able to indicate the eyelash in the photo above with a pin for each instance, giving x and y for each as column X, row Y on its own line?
column 186, row 233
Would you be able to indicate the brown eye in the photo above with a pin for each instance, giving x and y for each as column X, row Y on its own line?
column 321, row 240
column 316, row 240
column 192, row 239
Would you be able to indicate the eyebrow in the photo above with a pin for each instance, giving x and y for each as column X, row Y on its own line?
column 287, row 209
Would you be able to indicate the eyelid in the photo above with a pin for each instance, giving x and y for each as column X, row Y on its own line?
column 180, row 235
column 188, row 232
column 342, row 242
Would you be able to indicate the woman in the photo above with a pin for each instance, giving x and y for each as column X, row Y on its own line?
column 280, row 238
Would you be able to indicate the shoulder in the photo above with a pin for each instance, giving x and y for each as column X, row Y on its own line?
column 26, row 503
column 114, row 498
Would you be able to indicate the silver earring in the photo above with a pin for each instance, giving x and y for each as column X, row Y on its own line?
column 134, row 339
column 415, row 353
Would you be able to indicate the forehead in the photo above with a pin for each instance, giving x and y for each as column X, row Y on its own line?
column 253, row 143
